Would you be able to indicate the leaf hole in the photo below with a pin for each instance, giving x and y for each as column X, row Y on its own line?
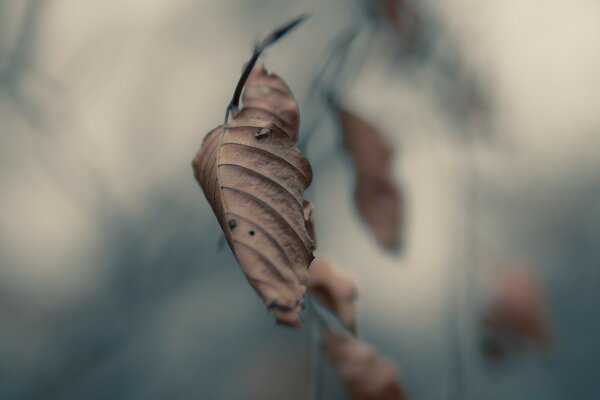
column 262, row 133
column 252, row 233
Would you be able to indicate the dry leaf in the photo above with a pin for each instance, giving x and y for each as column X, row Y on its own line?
column 518, row 310
column 254, row 179
column 365, row 374
column 335, row 291
column 378, row 199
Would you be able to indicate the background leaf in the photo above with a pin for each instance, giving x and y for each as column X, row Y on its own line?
column 517, row 317
column 335, row 291
column 365, row 374
column 377, row 197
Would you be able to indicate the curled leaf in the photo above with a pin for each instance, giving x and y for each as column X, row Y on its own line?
column 517, row 316
column 335, row 291
column 308, row 222
column 365, row 374
column 378, row 199
column 254, row 178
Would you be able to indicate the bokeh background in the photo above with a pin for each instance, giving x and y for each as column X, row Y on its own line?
column 112, row 283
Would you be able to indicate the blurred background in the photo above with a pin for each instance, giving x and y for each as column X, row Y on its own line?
column 112, row 282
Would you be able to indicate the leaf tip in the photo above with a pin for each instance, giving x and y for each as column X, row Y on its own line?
column 282, row 31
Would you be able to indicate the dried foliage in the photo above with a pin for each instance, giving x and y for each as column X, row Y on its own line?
column 365, row 374
column 378, row 199
column 335, row 291
column 254, row 177
column 517, row 316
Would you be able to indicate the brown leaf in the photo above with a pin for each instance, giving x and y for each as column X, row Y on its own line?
column 518, row 309
column 378, row 199
column 335, row 291
column 268, row 92
column 365, row 374
column 254, row 178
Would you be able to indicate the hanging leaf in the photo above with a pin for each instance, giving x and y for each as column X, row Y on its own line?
column 335, row 291
column 517, row 317
column 254, row 177
column 378, row 200
column 365, row 374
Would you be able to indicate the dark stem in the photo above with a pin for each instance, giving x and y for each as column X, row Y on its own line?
column 269, row 40
column 316, row 377
column 313, row 370
column 235, row 100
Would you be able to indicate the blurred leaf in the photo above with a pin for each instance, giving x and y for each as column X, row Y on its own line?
column 516, row 317
column 335, row 291
column 365, row 374
column 378, row 199
column 254, row 179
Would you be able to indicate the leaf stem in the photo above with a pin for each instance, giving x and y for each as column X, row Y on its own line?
column 316, row 377
column 273, row 37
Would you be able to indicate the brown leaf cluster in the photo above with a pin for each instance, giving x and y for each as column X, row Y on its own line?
column 378, row 200
column 335, row 291
column 254, row 177
column 365, row 374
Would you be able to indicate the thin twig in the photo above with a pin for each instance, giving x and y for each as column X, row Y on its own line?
column 317, row 379
column 269, row 40
column 313, row 372
column 336, row 55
